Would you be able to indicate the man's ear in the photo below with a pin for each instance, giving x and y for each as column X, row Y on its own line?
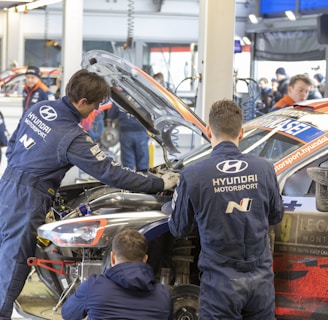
column 83, row 101
column 241, row 134
column 145, row 258
column 209, row 131
column 112, row 258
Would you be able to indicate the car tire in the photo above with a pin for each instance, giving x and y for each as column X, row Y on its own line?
column 185, row 302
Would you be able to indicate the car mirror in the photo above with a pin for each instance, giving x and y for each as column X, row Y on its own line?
column 320, row 177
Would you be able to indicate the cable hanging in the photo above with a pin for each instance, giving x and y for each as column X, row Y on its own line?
column 129, row 38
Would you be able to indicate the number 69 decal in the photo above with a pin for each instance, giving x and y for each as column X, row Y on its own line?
column 285, row 227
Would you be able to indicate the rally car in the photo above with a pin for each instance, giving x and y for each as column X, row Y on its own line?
column 77, row 239
column 295, row 140
column 12, row 81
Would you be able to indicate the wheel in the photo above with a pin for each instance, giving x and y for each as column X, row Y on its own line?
column 185, row 302
column 109, row 137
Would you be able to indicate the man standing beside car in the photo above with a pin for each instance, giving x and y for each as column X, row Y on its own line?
column 133, row 140
column 232, row 203
column 35, row 90
column 47, row 142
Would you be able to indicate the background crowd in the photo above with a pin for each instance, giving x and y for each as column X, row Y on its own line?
column 284, row 90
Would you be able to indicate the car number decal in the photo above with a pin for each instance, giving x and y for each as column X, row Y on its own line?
column 302, row 234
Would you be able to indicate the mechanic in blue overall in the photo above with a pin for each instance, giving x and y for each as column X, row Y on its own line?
column 4, row 135
column 133, row 140
column 232, row 198
column 35, row 90
column 127, row 290
column 46, row 144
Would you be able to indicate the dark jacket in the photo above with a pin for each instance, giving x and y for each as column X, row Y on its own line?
column 283, row 86
column 314, row 94
column 126, row 121
column 126, row 291
column 233, row 201
column 266, row 98
column 50, row 133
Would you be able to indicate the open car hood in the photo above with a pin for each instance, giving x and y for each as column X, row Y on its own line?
column 134, row 91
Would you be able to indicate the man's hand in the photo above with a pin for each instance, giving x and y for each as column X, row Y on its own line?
column 170, row 180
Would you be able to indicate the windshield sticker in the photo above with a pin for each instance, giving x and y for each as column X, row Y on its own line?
column 300, row 153
column 300, row 130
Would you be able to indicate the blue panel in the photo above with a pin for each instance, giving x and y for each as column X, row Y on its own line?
column 313, row 4
column 268, row 7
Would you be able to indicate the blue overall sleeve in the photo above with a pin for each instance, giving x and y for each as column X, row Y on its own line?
column 181, row 221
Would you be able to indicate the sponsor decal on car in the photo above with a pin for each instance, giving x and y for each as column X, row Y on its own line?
column 300, row 153
column 304, row 132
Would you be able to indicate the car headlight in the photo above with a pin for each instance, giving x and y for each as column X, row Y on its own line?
column 78, row 233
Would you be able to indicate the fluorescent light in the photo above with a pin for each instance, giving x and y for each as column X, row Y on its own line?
column 33, row 5
column 290, row 15
column 247, row 41
column 253, row 19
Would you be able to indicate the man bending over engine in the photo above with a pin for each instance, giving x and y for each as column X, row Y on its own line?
column 46, row 144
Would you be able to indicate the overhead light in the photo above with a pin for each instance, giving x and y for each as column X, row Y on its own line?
column 290, row 15
column 253, row 18
column 247, row 41
column 32, row 5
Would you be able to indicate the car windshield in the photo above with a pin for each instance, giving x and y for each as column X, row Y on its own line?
column 268, row 144
column 5, row 74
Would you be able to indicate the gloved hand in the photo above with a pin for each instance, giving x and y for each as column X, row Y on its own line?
column 170, row 179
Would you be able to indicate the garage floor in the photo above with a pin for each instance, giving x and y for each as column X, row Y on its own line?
column 36, row 299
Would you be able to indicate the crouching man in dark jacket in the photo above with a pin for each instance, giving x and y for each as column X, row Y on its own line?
column 127, row 290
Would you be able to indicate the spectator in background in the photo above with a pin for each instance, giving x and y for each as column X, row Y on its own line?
column 133, row 140
column 127, row 290
column 275, row 93
column 298, row 90
column 283, row 80
column 266, row 96
column 159, row 77
column 35, row 90
column 319, row 82
column 314, row 92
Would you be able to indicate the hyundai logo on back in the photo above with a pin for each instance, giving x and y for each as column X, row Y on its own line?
column 232, row 166
column 48, row 113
